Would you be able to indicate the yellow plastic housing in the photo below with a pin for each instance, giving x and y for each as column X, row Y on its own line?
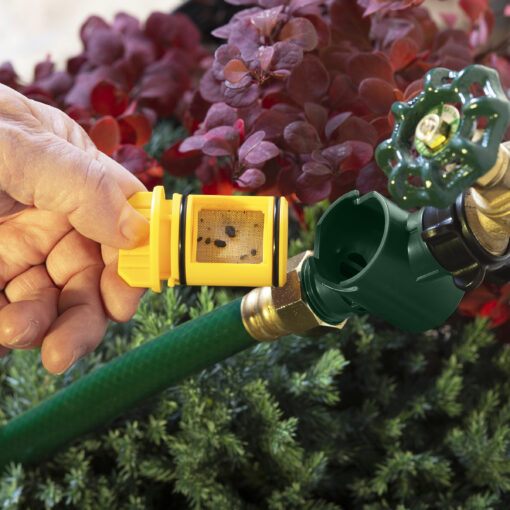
column 211, row 240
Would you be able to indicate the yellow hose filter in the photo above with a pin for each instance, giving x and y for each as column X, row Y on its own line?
column 208, row 240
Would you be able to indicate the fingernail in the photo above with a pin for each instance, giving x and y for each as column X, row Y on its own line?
column 133, row 225
column 25, row 338
column 78, row 353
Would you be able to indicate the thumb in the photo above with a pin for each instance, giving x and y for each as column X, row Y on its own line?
column 52, row 174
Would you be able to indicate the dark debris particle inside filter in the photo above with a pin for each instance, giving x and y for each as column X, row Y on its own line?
column 230, row 236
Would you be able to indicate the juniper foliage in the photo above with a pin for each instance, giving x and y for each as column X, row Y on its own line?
column 370, row 418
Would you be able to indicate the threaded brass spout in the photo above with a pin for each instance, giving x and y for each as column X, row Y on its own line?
column 271, row 312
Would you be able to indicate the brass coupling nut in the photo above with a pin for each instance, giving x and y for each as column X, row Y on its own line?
column 271, row 312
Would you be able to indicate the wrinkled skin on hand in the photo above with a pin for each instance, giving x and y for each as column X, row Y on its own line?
column 62, row 204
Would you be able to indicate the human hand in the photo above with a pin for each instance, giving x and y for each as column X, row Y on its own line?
column 63, row 216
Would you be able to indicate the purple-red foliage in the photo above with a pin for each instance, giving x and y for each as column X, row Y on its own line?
column 311, row 84
column 127, row 75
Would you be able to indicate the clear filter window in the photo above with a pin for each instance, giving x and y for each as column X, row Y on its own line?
column 228, row 236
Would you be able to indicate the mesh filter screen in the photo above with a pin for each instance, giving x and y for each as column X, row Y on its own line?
column 230, row 236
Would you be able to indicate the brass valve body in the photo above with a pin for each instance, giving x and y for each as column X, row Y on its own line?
column 487, row 205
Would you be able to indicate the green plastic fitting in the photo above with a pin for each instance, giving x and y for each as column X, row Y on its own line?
column 369, row 257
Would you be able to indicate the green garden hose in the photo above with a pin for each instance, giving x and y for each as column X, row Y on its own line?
column 109, row 391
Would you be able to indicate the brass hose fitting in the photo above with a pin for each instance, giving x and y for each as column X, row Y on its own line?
column 271, row 312
column 487, row 205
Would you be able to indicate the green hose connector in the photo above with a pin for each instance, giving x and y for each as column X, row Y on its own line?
column 111, row 390
column 369, row 257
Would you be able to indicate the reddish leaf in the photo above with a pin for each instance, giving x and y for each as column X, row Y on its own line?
column 286, row 56
column 239, row 126
column 140, row 164
column 160, row 92
column 38, row 94
column 266, row 54
column 105, row 47
column 335, row 154
column 377, row 94
column 273, row 122
column 317, row 115
column 221, row 141
column 369, row 65
column 187, row 35
column 56, row 84
column 355, row 128
column 402, row 52
column 474, row 8
column 105, row 133
column 178, row 163
column 313, row 188
column 210, row 88
column 300, row 31
column 79, row 114
column 372, row 178
column 322, row 29
column 161, row 27
column 335, row 122
column 360, row 154
column 312, row 167
column 309, row 81
column 266, row 20
column 235, row 71
column 89, row 28
column 341, row 93
column 287, row 177
column 107, row 99
column 86, row 81
column 262, row 152
column 220, row 114
column 192, row 143
column 43, row 69
column 135, row 129
column 239, row 98
column 250, row 144
column 74, row 64
column 342, row 183
column 347, row 21
column 222, row 185
column 413, row 89
column 252, row 178
column 8, row 76
column 383, row 128
column 126, row 24
column 206, row 170
column 302, row 137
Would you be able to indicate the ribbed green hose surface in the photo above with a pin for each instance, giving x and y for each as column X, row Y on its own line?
column 109, row 391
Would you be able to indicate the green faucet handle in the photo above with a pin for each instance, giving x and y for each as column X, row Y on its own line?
column 445, row 138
